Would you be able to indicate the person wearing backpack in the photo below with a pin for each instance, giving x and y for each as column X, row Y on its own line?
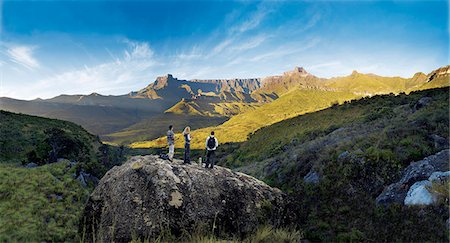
column 187, row 145
column 211, row 146
column 171, row 143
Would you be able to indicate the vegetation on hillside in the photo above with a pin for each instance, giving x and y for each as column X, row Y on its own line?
column 357, row 148
column 264, row 233
column 45, row 203
column 240, row 126
column 25, row 139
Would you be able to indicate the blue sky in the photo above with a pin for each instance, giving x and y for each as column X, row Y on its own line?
column 113, row 47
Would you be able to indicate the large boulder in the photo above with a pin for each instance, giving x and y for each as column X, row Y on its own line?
column 148, row 195
column 415, row 172
column 419, row 194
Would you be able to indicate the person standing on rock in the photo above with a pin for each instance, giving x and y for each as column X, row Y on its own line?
column 187, row 145
column 211, row 146
column 171, row 143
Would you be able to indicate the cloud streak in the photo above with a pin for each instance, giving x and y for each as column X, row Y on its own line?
column 23, row 55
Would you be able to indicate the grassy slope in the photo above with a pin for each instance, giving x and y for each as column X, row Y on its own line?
column 378, row 110
column 240, row 126
column 185, row 107
column 234, row 108
column 29, row 208
column 157, row 126
column 374, row 84
column 436, row 83
column 213, row 108
column 19, row 134
column 385, row 133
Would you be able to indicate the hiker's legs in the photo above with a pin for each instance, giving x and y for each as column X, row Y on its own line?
column 212, row 158
column 187, row 154
column 208, row 158
column 171, row 151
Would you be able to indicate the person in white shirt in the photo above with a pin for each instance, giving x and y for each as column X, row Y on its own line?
column 171, row 143
column 187, row 145
column 211, row 146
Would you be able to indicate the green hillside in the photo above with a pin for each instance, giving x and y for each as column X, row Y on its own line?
column 213, row 107
column 44, row 203
column 371, row 83
column 23, row 134
column 380, row 136
column 240, row 126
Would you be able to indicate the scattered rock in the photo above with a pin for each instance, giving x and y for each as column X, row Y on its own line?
column 312, row 177
column 416, row 171
column 423, row 102
column 343, row 156
column 147, row 195
column 439, row 142
column 394, row 193
column 72, row 163
column 439, row 177
column 56, row 196
column 418, row 194
column 85, row 179
column 31, row 165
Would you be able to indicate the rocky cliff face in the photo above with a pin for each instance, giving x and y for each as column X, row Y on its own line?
column 274, row 86
column 443, row 72
column 167, row 86
column 147, row 195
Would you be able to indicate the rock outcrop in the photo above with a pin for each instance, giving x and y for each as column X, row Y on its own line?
column 148, row 195
column 424, row 193
column 415, row 172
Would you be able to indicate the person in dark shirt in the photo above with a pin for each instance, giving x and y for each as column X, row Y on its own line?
column 187, row 145
column 211, row 146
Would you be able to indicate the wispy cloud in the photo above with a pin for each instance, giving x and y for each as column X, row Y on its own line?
column 290, row 49
column 221, row 46
column 23, row 55
column 252, row 22
column 138, row 50
column 250, row 43
column 312, row 21
column 134, row 66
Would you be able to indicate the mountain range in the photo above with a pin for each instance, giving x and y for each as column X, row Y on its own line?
column 331, row 149
column 143, row 113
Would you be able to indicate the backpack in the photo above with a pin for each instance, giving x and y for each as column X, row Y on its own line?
column 211, row 143
column 164, row 156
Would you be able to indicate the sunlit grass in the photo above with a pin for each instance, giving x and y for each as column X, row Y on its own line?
column 238, row 128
